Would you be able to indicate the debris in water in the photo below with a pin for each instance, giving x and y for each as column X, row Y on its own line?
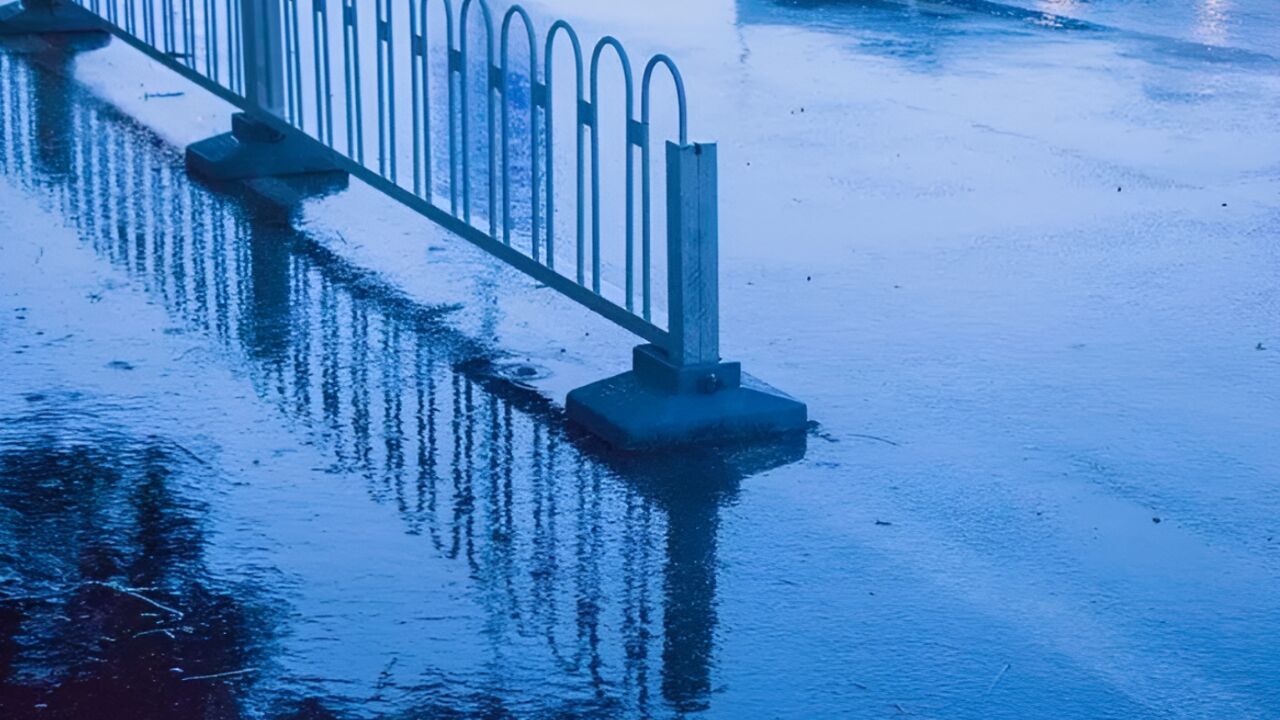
column 999, row 677
column 877, row 438
column 217, row 676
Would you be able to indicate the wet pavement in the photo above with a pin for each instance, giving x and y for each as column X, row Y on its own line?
column 287, row 451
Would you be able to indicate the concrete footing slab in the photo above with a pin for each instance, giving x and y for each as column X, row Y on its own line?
column 659, row 404
column 256, row 150
column 49, row 16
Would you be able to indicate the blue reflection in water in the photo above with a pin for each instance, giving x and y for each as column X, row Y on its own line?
column 558, row 535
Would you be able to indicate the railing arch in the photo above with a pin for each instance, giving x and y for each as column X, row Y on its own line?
column 535, row 231
column 547, row 96
column 646, row 200
column 386, row 91
column 351, row 70
column 593, row 118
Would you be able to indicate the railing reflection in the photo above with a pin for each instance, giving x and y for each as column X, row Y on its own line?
column 600, row 560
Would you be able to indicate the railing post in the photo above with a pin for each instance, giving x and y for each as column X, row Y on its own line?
column 693, row 267
column 681, row 391
column 263, row 29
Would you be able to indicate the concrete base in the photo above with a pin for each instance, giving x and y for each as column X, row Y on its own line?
column 658, row 404
column 256, row 150
column 50, row 16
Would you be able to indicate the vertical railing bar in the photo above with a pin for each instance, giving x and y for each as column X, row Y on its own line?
column 465, row 162
column 231, row 46
column 213, row 41
column 320, row 18
column 453, row 68
column 208, row 35
column 190, row 26
column 235, row 33
column 424, row 70
column 166, row 27
column 291, row 109
column 417, row 47
column 148, row 21
column 489, row 93
column 295, row 64
column 171, row 23
column 188, row 33
column 324, row 76
column 379, row 39
column 386, row 91
column 391, row 90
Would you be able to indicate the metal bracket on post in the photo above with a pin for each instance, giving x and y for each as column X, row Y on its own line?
column 47, row 16
column 684, row 393
column 255, row 148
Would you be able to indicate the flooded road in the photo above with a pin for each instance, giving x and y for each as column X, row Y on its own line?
column 286, row 451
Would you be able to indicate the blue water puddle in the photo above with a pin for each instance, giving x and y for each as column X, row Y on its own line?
column 242, row 476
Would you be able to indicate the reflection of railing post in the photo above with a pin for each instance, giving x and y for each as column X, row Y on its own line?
column 692, row 255
column 263, row 28
column 681, row 392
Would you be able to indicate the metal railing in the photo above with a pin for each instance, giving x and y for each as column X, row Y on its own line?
column 479, row 133
column 483, row 472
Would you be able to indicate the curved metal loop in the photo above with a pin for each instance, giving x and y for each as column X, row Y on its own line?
column 681, row 102
column 606, row 42
column 609, row 41
column 463, row 33
column 550, row 46
column 646, row 182
column 548, row 63
column 513, row 12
